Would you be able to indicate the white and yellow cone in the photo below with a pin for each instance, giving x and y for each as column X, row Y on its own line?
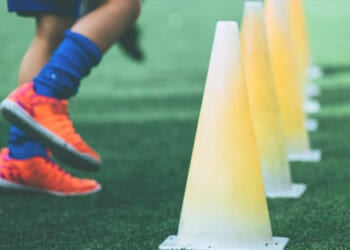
column 315, row 73
column 224, row 205
column 311, row 106
column 289, row 90
column 301, row 52
column 299, row 36
column 298, row 22
column 311, row 124
column 264, row 105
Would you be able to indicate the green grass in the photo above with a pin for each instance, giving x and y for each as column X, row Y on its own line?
column 142, row 118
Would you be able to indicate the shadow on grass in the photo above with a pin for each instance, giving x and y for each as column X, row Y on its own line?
column 335, row 69
column 100, row 105
column 334, row 139
column 339, row 95
column 19, row 193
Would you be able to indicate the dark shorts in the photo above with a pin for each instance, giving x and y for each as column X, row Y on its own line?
column 69, row 8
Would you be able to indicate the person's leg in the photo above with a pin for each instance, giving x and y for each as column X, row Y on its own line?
column 83, row 47
column 48, row 35
column 40, row 108
column 128, row 41
column 107, row 23
column 26, row 163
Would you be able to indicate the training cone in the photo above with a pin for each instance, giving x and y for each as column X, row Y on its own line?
column 301, row 52
column 315, row 72
column 224, row 206
column 311, row 124
column 300, row 36
column 312, row 106
column 288, row 86
column 264, row 106
column 313, row 90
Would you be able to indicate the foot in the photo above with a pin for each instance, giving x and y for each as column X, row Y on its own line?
column 41, row 174
column 129, row 42
column 47, row 120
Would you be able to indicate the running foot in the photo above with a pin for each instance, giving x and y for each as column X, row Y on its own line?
column 129, row 42
column 40, row 174
column 47, row 119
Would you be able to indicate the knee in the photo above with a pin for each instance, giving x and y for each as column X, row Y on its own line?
column 134, row 8
column 50, row 30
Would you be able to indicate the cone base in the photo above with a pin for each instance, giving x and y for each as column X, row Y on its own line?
column 311, row 125
column 315, row 72
column 171, row 244
column 310, row 156
column 312, row 107
column 312, row 90
column 295, row 191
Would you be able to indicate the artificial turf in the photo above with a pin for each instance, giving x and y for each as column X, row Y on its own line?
column 142, row 118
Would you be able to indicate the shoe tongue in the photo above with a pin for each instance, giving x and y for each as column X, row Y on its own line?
column 64, row 104
column 60, row 107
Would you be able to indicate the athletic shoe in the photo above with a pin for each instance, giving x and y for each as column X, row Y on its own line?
column 129, row 42
column 47, row 119
column 40, row 174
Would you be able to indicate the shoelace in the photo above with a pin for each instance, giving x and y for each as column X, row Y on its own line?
column 60, row 119
column 58, row 173
column 68, row 130
column 65, row 125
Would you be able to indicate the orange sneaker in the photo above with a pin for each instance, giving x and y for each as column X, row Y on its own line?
column 41, row 175
column 47, row 119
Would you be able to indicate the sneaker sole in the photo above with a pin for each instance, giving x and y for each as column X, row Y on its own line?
column 60, row 148
column 15, row 186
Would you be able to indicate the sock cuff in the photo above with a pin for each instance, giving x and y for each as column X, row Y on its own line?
column 70, row 62
column 23, row 146
column 94, row 52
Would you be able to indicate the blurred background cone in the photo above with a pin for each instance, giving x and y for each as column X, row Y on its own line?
column 299, row 37
column 311, row 124
column 301, row 52
column 264, row 105
column 315, row 73
column 289, row 88
column 224, row 205
column 299, row 27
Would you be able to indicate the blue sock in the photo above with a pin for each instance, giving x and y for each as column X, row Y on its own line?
column 22, row 146
column 70, row 62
